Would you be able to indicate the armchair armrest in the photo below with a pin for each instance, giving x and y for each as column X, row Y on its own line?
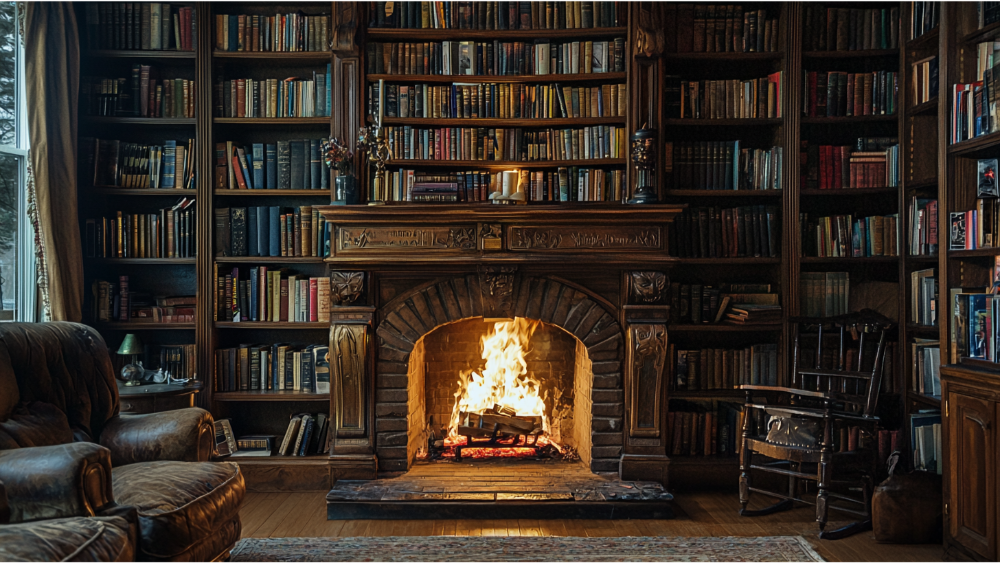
column 180, row 435
column 56, row 481
column 4, row 507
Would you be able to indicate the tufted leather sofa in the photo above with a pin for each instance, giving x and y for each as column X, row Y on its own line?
column 65, row 451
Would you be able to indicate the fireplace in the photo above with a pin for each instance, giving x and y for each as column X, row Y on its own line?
column 417, row 288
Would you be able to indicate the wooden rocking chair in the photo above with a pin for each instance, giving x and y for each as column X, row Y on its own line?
column 835, row 397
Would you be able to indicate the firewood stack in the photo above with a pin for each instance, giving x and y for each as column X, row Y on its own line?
column 499, row 420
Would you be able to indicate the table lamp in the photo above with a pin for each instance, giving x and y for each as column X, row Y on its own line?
column 131, row 347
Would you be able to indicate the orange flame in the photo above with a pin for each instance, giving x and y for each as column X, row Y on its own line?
column 504, row 381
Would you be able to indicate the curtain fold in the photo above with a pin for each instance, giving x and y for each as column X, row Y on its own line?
column 52, row 83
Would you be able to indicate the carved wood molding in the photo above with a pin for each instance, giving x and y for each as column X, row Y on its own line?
column 647, row 288
column 346, row 287
column 348, row 363
column 646, row 354
column 497, row 285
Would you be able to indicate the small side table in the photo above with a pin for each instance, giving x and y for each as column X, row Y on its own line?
column 156, row 397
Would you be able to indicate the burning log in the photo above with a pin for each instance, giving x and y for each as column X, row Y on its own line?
column 483, row 425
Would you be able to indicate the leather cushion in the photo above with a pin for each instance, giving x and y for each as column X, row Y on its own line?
column 179, row 503
column 35, row 424
column 67, row 539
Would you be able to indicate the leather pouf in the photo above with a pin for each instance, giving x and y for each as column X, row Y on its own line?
column 907, row 509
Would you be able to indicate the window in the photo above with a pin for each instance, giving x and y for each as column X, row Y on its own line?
column 17, row 258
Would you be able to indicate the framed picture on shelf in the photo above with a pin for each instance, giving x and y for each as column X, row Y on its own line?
column 988, row 179
column 956, row 232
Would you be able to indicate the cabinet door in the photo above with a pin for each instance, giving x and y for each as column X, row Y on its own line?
column 973, row 473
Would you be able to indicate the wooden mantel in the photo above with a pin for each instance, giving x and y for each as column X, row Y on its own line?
column 469, row 234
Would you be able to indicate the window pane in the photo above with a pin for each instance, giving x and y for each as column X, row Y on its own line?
column 10, row 171
column 8, row 73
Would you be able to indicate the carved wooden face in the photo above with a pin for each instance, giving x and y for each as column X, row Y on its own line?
column 347, row 286
column 647, row 287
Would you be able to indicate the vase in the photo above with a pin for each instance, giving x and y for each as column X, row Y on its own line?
column 346, row 191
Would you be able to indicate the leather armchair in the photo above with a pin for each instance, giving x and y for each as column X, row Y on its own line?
column 66, row 451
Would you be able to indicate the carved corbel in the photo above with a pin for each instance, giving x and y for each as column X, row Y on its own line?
column 648, row 288
column 497, row 288
column 346, row 287
column 351, row 380
column 646, row 356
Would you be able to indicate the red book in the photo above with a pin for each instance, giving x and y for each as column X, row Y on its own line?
column 837, row 172
column 313, row 300
column 241, row 95
column 283, row 310
column 239, row 175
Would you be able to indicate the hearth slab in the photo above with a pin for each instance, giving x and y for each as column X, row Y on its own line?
column 497, row 489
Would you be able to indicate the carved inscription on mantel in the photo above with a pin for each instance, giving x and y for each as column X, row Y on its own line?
column 583, row 237
column 377, row 239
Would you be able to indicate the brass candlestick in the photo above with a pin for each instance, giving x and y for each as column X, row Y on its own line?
column 376, row 147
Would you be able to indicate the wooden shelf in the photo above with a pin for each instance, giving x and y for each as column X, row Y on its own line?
column 724, row 193
column 922, row 329
column 269, row 259
column 727, row 56
column 430, row 122
column 406, row 163
column 725, row 327
column 272, row 120
column 294, row 56
column 272, row 193
column 922, row 258
column 739, row 261
column 852, row 120
column 928, row 107
column 749, row 122
column 506, row 79
column 849, row 260
column 921, row 184
column 137, row 54
column 862, row 54
column 925, row 40
column 130, row 326
column 928, row 400
column 246, row 396
column 163, row 121
column 986, row 32
column 250, row 325
column 141, row 260
column 143, row 192
column 849, row 192
column 977, row 253
column 392, row 35
column 971, row 146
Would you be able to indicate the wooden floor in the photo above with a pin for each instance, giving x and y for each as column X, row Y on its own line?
column 699, row 514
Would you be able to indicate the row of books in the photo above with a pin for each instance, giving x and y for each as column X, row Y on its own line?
column 141, row 25
column 179, row 360
column 495, row 15
column 709, row 369
column 274, row 97
column 923, row 226
column 306, row 435
column 974, row 104
column 846, row 236
column 564, row 184
column 732, row 232
column 925, row 435
column 506, row 144
column 923, row 297
column 496, row 58
column 504, row 101
column 168, row 233
column 120, row 97
column 824, row 294
column 924, row 76
column 987, row 13
column 700, row 428
column 723, row 165
column 116, row 164
column 976, row 228
column 974, row 324
column 828, row 167
column 270, row 231
column 115, row 302
column 754, row 98
column 924, row 17
column 926, row 369
column 697, row 303
column 719, row 28
column 280, row 32
column 273, row 367
column 850, row 94
column 850, row 29
column 295, row 164
column 259, row 294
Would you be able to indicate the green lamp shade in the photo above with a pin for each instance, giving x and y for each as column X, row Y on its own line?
column 131, row 346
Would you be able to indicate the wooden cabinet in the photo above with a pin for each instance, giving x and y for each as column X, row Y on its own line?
column 972, row 510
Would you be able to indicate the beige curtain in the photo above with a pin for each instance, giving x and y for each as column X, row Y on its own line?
column 52, row 83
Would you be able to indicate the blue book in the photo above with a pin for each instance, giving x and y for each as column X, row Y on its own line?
column 326, row 239
column 307, row 164
column 308, row 382
column 169, row 163
column 275, row 230
column 271, row 166
column 315, row 165
column 258, row 166
column 253, row 293
column 233, row 30
column 252, row 243
column 290, row 367
column 329, row 95
column 306, row 436
column 263, row 231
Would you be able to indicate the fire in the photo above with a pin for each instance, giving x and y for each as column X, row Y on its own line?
column 504, row 381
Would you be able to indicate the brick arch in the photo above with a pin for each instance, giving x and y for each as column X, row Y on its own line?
column 583, row 314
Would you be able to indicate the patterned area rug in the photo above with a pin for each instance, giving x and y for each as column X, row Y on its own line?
column 462, row 548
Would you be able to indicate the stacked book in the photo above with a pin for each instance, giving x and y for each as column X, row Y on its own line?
column 273, row 97
column 923, row 226
column 500, row 100
column 716, row 368
column 844, row 94
column 758, row 98
column 843, row 236
column 279, row 33
column 719, row 28
column 700, row 428
column 496, row 15
column 749, row 313
column 737, row 232
column 115, row 302
column 259, row 294
column 168, row 233
column 824, row 294
column 496, row 58
column 500, row 144
column 832, row 28
column 271, row 231
column 135, row 97
column 697, row 303
column 723, row 165
column 923, row 297
column 295, row 164
column 141, row 25
column 115, row 164
column 273, row 367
